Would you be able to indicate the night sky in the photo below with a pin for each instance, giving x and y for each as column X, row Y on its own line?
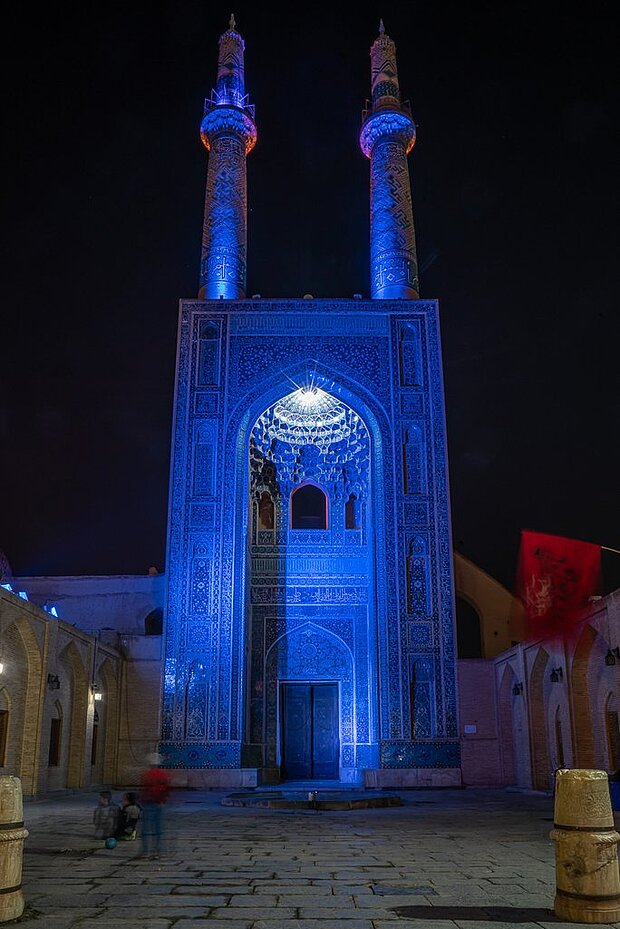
column 514, row 180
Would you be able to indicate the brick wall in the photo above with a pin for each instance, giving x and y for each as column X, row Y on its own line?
column 477, row 710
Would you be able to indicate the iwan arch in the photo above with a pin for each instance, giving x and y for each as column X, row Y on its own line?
column 310, row 609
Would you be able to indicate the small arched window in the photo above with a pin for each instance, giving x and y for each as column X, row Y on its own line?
column 308, row 508
column 153, row 623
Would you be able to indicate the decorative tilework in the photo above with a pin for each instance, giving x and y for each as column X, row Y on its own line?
column 322, row 581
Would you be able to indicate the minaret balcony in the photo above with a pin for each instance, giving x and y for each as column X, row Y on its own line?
column 390, row 124
column 225, row 119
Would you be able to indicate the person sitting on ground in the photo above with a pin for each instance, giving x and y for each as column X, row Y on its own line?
column 128, row 818
column 105, row 816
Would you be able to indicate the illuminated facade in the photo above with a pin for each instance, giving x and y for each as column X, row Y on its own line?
column 310, row 608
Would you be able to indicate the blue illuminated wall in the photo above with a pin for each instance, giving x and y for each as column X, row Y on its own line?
column 365, row 602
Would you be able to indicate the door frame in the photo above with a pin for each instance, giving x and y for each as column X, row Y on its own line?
column 282, row 682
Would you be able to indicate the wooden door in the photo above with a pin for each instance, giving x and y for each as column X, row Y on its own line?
column 310, row 738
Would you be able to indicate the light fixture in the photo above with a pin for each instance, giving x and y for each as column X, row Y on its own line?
column 557, row 675
column 518, row 688
column 97, row 695
column 53, row 682
column 612, row 654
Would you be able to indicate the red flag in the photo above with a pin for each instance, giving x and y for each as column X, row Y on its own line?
column 555, row 577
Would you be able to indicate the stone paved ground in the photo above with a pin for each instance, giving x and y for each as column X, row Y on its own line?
column 451, row 855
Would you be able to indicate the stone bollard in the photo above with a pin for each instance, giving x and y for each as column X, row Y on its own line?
column 586, row 858
column 12, row 835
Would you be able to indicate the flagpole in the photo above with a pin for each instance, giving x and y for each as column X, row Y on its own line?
column 607, row 549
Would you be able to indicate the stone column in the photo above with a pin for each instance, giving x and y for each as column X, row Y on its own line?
column 12, row 835
column 586, row 859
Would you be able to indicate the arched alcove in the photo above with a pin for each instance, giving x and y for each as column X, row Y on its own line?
column 108, row 711
column 558, row 734
column 75, row 713
column 541, row 764
column 153, row 622
column 612, row 731
column 5, row 722
column 506, row 726
column 302, row 659
column 55, row 749
column 21, row 682
column 196, row 701
column 468, row 630
column 580, row 695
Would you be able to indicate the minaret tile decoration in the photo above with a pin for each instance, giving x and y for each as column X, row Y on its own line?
column 228, row 132
column 386, row 138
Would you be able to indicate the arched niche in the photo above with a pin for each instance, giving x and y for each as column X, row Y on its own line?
column 108, row 710
column 612, row 732
column 154, row 621
column 508, row 749
column 22, row 680
column 468, row 630
column 196, row 701
column 76, row 714
column 308, row 654
column 580, row 694
column 5, row 725
column 541, row 764
column 310, row 450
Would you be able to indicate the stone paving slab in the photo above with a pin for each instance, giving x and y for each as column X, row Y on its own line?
column 244, row 868
column 312, row 924
column 260, row 912
column 212, row 924
column 113, row 923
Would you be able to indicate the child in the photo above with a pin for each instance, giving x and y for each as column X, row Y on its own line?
column 129, row 816
column 105, row 816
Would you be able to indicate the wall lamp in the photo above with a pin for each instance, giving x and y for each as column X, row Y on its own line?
column 557, row 675
column 53, row 682
column 97, row 695
column 518, row 689
column 612, row 654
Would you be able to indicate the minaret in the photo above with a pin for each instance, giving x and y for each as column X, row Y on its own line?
column 228, row 132
column 387, row 136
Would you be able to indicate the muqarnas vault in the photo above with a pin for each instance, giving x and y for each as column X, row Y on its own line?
column 310, row 607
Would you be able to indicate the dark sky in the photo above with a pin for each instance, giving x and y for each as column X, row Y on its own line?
column 514, row 179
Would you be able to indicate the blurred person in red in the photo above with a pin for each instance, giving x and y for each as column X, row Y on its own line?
column 154, row 793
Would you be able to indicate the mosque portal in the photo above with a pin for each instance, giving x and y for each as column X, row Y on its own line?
column 309, row 626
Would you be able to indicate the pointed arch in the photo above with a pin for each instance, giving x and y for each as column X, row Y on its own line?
column 309, row 653
column 508, row 749
column 196, row 701
column 582, row 711
column 108, row 723
column 5, row 723
column 24, row 679
column 612, row 731
column 76, row 713
column 264, row 392
column 541, row 764
column 57, row 735
column 559, row 742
